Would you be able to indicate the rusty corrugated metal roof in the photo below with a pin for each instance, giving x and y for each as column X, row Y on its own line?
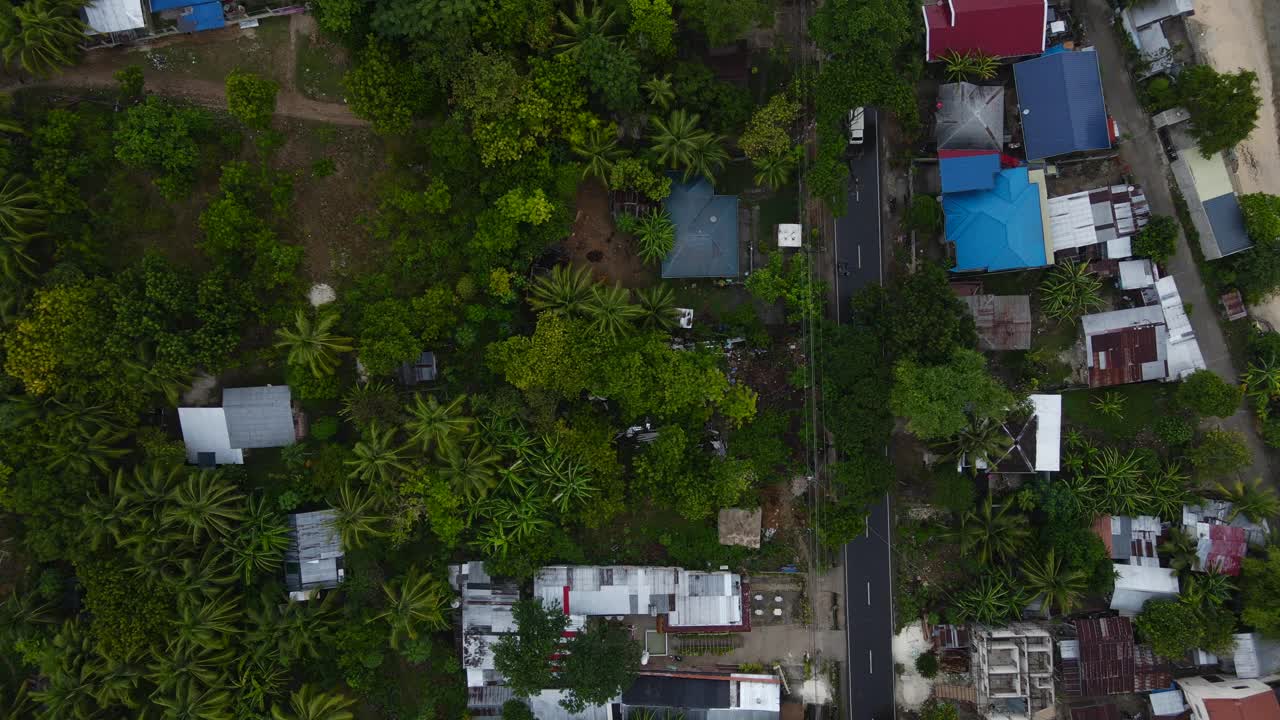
column 1118, row 355
column 1106, row 655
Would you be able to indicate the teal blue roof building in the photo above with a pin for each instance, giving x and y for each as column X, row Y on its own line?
column 706, row 232
column 1001, row 228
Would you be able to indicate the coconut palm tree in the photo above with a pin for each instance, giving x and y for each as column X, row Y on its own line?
column 415, row 602
column 22, row 217
column 1168, row 491
column 19, row 706
column 206, row 504
column 255, row 679
column 197, row 578
column 1207, row 589
column 708, row 157
column 377, row 459
column 984, row 441
column 371, row 402
column 115, row 681
column 992, row 600
column 208, row 624
column 659, row 91
column 584, row 24
column 48, row 36
column 158, row 378
column 1119, row 476
column 289, row 631
column 655, row 235
column 992, row 535
column 107, row 516
column 599, row 150
column 309, row 703
column 311, row 344
column 676, row 139
column 474, row 471
column 354, row 519
column 658, row 308
column 773, row 171
column 432, row 425
column 82, row 454
column 1252, row 499
column 1261, row 383
column 1069, row 291
column 611, row 310
column 564, row 290
column 193, row 701
column 258, row 545
column 177, row 667
column 1054, row 583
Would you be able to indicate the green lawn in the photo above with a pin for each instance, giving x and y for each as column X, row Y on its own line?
column 1143, row 404
column 321, row 65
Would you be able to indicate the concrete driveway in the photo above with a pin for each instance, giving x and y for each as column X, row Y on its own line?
column 1141, row 152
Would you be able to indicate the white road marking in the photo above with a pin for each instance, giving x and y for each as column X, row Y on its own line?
column 868, row 592
column 871, row 667
column 859, row 256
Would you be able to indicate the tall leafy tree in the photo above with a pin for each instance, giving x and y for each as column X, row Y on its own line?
column 940, row 401
column 522, row 657
column 602, row 662
column 1224, row 107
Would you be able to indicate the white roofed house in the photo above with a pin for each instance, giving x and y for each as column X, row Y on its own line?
column 1098, row 223
column 1035, row 442
column 682, row 600
column 114, row 16
column 1136, row 584
column 1152, row 342
column 253, row 417
column 313, row 560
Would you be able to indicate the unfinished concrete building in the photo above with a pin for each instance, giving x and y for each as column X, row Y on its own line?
column 1012, row 670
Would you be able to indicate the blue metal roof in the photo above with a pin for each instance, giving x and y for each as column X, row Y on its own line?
column 205, row 16
column 1060, row 103
column 997, row 229
column 969, row 172
column 1227, row 222
column 158, row 5
column 706, row 232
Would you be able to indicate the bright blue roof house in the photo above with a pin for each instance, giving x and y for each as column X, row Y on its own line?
column 1060, row 104
column 193, row 15
column 706, row 232
column 1000, row 225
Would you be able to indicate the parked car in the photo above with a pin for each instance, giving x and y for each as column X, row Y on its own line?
column 1170, row 150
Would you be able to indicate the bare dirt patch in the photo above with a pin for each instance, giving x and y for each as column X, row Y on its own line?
column 597, row 243
column 328, row 211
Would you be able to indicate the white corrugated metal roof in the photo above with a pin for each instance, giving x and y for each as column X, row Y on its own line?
column 108, row 16
column 754, row 695
column 1071, row 219
column 1167, row 703
column 1136, row 584
column 1184, row 356
column 1136, row 274
column 688, row 598
column 1246, row 656
column 204, row 430
column 1048, row 431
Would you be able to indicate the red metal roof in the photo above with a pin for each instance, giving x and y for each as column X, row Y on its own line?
column 1150, row 672
column 1227, row 547
column 1262, row 706
column 1106, row 655
column 1003, row 28
column 1118, row 356
column 1102, row 528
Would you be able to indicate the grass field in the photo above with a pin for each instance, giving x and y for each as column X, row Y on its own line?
column 321, row 65
column 263, row 50
column 1144, row 403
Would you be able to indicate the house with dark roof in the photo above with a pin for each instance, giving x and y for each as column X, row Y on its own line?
column 1228, row 698
column 1035, row 439
column 313, row 560
column 1152, row 342
column 970, row 117
column 1000, row 28
column 1211, row 199
column 706, row 232
column 252, row 417
column 713, row 695
column 419, row 370
column 1104, row 660
column 1003, row 321
column 1060, row 104
column 998, row 224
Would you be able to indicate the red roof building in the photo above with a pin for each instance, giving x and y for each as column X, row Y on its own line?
column 1214, row 697
column 1262, row 706
column 1001, row 28
column 1220, row 548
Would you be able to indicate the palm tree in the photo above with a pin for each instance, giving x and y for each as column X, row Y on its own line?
column 22, row 216
column 1208, row 589
column 81, row 454
column 158, row 378
column 311, row 704
column 1181, row 547
column 611, row 310
column 708, row 157
column 432, row 425
column 985, row 441
column 599, row 149
column 1110, row 404
column 658, row 308
column 659, row 90
column 773, row 171
column 1120, row 477
column 311, row 344
column 992, row 535
column 48, row 36
column 207, row 624
column 198, row 578
column 354, row 519
column 957, row 66
column 206, row 504
column 1262, row 383
column 564, row 290
column 414, row 601
column 1054, row 583
column 176, row 668
column 257, row 678
column 107, row 515
column 376, row 459
column 369, row 403
column 584, row 24
column 992, row 600
column 114, row 680
column 655, row 236
column 474, row 472
column 258, row 545
column 191, row 701
column 288, row 631
column 675, row 140
column 1168, row 492
column 1252, row 499
column 1070, row 291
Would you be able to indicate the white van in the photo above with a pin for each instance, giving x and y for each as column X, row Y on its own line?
column 857, row 122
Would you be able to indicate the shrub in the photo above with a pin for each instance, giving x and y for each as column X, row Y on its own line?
column 131, row 82
column 1158, row 240
column 1208, row 394
column 324, row 428
column 924, row 215
column 251, row 99
column 1174, row 430
column 927, row 665
column 1271, row 432
column 952, row 490
column 1220, row 453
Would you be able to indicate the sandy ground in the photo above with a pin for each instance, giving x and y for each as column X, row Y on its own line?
column 913, row 689
column 1231, row 34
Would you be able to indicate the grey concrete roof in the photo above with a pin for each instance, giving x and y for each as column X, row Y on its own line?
column 971, row 117
column 259, row 417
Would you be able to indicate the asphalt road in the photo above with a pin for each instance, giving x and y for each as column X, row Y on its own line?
column 857, row 246
column 868, row 574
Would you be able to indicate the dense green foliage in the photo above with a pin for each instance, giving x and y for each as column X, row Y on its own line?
column 1223, row 106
